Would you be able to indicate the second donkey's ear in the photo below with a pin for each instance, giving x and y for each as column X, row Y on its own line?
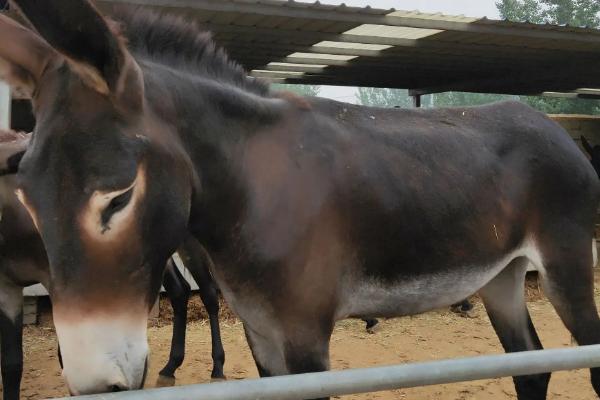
column 12, row 148
column 24, row 56
column 78, row 31
column 586, row 145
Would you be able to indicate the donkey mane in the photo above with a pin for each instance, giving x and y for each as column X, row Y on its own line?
column 179, row 43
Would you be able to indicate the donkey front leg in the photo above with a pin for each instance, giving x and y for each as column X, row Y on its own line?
column 297, row 347
column 178, row 291
column 11, row 339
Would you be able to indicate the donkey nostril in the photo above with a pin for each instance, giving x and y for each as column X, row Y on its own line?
column 115, row 388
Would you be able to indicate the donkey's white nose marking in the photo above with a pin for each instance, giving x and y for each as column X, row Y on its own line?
column 102, row 352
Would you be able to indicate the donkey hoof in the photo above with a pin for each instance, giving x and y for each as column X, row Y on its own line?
column 374, row 329
column 218, row 379
column 165, row 381
column 467, row 314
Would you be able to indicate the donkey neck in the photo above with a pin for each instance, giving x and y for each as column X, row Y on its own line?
column 212, row 120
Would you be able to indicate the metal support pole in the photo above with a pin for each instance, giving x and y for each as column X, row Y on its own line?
column 4, row 105
column 417, row 100
column 336, row 383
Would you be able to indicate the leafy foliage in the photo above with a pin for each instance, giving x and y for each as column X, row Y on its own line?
column 572, row 12
column 450, row 99
column 303, row 90
column 563, row 12
column 376, row 97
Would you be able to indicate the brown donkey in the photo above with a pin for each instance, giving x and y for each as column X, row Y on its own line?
column 23, row 262
column 312, row 210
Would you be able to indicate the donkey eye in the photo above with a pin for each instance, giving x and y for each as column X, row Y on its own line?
column 116, row 204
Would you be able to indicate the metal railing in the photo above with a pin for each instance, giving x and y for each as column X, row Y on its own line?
column 351, row 381
column 4, row 105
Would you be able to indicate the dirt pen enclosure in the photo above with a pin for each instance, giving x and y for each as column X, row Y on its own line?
column 434, row 335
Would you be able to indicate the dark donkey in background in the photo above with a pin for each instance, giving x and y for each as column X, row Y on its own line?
column 312, row 210
column 23, row 262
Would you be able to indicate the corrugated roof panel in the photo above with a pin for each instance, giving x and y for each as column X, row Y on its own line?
column 296, row 23
column 315, row 5
column 432, row 16
column 323, row 56
column 338, row 27
column 280, row 64
column 226, row 18
column 396, row 32
column 203, row 15
column 317, row 25
column 273, row 22
column 349, row 45
column 292, row 73
column 495, row 52
column 249, row 19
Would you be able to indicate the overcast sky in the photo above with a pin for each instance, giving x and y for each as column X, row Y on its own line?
column 470, row 8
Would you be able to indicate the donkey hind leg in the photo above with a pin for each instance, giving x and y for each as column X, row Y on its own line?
column 295, row 353
column 372, row 325
column 568, row 281
column 178, row 291
column 11, row 339
column 197, row 262
column 504, row 300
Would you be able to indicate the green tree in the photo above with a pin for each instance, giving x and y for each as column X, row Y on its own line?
column 450, row 99
column 572, row 12
column 377, row 97
column 557, row 105
column 302, row 90
column 521, row 10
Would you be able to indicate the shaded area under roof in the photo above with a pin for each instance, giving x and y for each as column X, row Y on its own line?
column 313, row 43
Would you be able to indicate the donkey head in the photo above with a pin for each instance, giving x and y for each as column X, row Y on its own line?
column 103, row 183
column 593, row 152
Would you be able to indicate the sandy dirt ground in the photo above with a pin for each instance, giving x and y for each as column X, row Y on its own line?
column 431, row 336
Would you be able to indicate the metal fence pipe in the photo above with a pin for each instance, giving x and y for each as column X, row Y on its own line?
column 335, row 383
column 4, row 105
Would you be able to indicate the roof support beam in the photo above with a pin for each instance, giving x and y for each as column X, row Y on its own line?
column 525, row 86
column 379, row 58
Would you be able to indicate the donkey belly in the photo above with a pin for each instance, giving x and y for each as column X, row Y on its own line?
column 370, row 297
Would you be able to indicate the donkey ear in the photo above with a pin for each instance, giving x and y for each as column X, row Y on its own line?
column 12, row 148
column 586, row 145
column 77, row 30
column 23, row 56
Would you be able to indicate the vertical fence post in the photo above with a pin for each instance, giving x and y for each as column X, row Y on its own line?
column 4, row 105
column 4, row 110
